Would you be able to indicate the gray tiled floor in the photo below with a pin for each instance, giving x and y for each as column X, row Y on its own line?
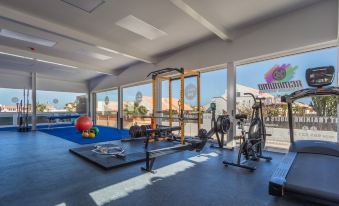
column 37, row 169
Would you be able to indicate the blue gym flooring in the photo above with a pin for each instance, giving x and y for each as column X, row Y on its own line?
column 68, row 132
column 15, row 128
column 71, row 134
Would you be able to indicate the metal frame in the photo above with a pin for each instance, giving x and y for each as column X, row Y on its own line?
column 323, row 91
column 183, row 73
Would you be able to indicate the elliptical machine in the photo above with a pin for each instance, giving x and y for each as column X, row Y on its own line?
column 252, row 145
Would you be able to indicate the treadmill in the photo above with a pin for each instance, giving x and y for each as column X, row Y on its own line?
column 310, row 170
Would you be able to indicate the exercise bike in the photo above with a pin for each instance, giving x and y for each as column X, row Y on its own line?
column 252, row 144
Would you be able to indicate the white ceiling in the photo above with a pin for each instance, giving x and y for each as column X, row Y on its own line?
column 78, row 33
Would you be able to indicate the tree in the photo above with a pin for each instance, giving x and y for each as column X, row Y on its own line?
column 244, row 109
column 325, row 105
column 142, row 110
column 41, row 107
column 135, row 109
column 298, row 110
column 70, row 107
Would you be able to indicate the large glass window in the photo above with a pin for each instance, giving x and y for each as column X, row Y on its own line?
column 11, row 100
column 59, row 103
column 107, row 108
column 272, row 79
column 137, row 105
column 213, row 89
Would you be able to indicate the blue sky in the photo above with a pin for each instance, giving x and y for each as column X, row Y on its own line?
column 6, row 96
column 257, row 70
column 212, row 83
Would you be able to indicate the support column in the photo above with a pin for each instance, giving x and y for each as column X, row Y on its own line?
column 159, row 101
column 120, row 115
column 91, row 108
column 33, row 101
column 231, row 102
column 338, row 70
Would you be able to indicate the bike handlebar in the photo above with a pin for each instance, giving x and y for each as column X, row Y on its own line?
column 254, row 97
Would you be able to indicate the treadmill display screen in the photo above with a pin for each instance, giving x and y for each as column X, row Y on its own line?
column 320, row 76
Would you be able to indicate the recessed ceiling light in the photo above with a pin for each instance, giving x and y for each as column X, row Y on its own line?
column 14, row 55
column 107, row 49
column 99, row 56
column 86, row 5
column 49, row 62
column 93, row 54
column 24, row 37
column 140, row 27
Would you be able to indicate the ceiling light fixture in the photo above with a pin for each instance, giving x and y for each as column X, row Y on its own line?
column 107, row 49
column 49, row 62
column 123, row 54
column 24, row 37
column 140, row 27
column 14, row 55
column 99, row 56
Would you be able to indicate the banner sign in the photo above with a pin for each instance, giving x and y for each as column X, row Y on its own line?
column 279, row 79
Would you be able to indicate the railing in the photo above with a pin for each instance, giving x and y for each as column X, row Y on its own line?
column 10, row 118
column 107, row 119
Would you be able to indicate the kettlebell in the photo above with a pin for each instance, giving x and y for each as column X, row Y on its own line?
column 91, row 134
column 85, row 134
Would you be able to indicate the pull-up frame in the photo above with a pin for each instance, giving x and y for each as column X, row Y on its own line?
column 183, row 73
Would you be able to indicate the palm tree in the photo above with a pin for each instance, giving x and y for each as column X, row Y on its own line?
column 70, row 107
column 41, row 107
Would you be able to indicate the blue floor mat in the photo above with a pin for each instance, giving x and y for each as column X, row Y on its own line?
column 71, row 134
column 15, row 128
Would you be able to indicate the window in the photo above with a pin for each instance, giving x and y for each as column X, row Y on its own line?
column 10, row 100
column 137, row 105
column 59, row 103
column 213, row 89
column 107, row 108
column 238, row 94
column 266, row 80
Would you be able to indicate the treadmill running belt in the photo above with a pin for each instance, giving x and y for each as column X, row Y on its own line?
column 314, row 175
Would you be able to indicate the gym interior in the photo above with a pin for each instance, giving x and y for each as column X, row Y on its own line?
column 169, row 102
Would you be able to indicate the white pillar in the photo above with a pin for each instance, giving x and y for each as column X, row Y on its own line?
column 91, row 106
column 159, row 101
column 33, row 101
column 231, row 102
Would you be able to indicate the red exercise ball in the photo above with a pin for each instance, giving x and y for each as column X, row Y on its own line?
column 83, row 124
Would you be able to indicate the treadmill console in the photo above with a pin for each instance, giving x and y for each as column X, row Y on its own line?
column 320, row 76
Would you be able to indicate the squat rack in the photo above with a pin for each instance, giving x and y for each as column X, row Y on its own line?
column 182, row 74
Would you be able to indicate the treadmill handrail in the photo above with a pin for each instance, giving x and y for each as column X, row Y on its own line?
column 323, row 91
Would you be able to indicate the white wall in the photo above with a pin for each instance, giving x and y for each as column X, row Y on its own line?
column 20, row 80
column 314, row 24
column 15, row 80
column 62, row 86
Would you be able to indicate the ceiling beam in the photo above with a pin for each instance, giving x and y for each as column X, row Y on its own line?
column 34, row 56
column 217, row 30
column 70, row 33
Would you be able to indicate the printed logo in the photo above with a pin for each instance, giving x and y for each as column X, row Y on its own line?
column 279, row 79
column 283, row 73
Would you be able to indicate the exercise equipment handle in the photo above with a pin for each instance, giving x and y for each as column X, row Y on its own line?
column 252, row 95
